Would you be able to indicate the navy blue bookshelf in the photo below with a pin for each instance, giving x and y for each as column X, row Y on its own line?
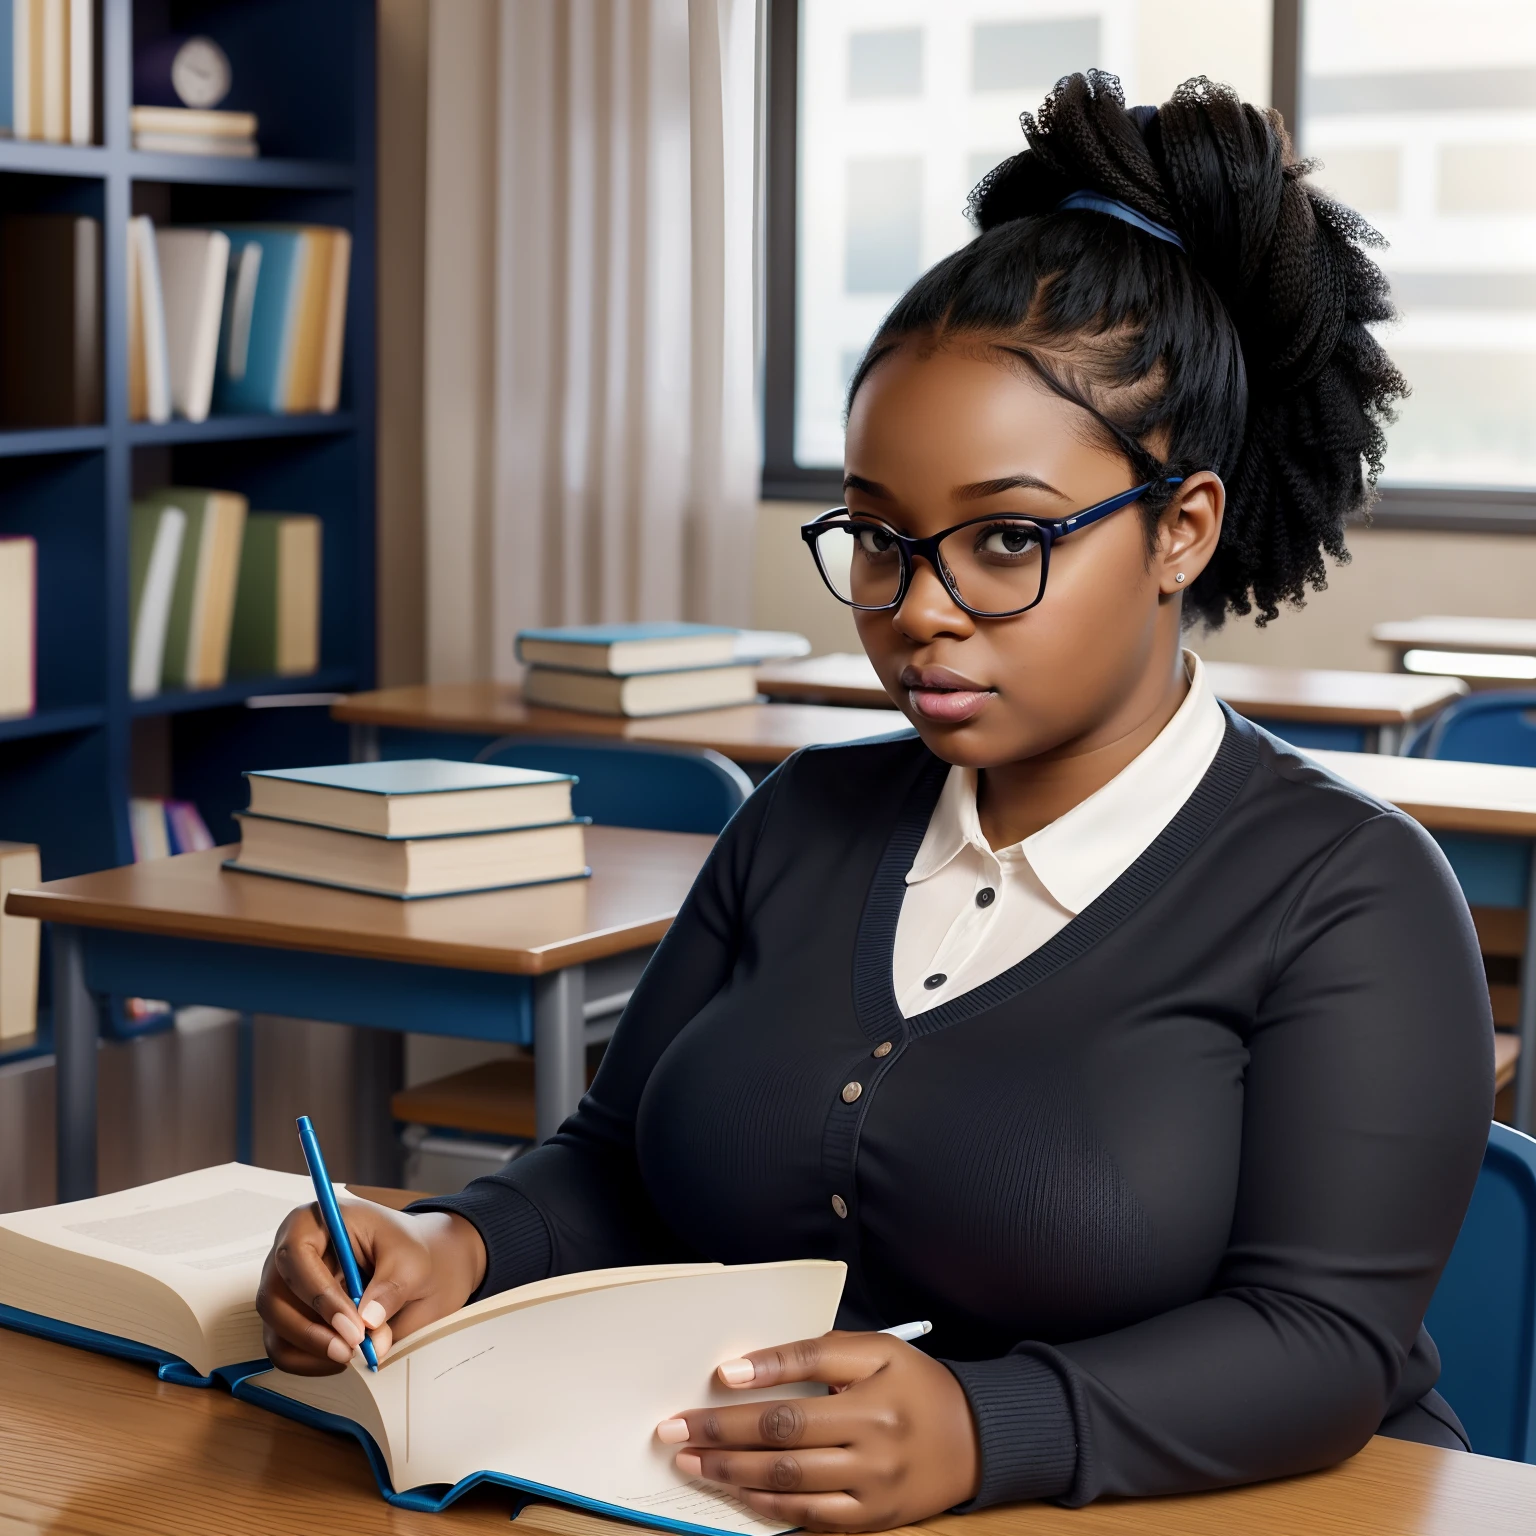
column 307, row 69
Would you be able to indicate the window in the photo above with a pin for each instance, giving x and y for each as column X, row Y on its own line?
column 1424, row 118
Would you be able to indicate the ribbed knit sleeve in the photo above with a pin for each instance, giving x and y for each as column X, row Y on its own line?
column 1023, row 1426
column 517, row 1244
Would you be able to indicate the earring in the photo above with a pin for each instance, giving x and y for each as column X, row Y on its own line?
column 1179, row 577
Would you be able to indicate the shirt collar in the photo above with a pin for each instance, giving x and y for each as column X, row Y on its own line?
column 1081, row 854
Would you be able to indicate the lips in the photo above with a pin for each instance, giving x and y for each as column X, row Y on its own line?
column 939, row 693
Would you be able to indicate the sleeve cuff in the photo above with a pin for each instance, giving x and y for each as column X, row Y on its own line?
column 1024, row 1427
column 516, row 1238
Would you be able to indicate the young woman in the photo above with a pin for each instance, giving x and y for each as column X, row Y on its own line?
column 1146, row 1059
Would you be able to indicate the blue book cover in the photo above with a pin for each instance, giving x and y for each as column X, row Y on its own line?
column 7, row 91
column 618, row 634
column 258, row 332
column 413, row 776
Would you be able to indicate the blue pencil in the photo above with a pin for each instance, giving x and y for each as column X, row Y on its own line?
column 331, row 1214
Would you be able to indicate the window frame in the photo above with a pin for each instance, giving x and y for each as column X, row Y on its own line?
column 1461, row 509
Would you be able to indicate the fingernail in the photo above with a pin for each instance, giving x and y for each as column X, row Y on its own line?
column 347, row 1328
column 689, row 1464
column 371, row 1313
column 338, row 1351
column 672, row 1431
column 737, row 1373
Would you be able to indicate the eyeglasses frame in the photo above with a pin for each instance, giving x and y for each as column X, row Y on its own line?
column 1051, row 529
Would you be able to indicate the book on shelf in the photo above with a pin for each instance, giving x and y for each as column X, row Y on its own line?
column 149, row 376
column 155, row 536
column 167, row 1274
column 277, row 603
column 162, row 828
column 644, row 693
column 50, row 317
column 202, row 599
column 18, row 625
column 50, row 69
column 20, row 868
column 193, row 265
column 410, row 829
column 190, row 131
column 622, row 650
column 281, row 343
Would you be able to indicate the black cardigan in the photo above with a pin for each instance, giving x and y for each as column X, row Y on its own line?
column 1175, row 1190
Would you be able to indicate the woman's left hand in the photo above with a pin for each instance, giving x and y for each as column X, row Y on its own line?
column 892, row 1444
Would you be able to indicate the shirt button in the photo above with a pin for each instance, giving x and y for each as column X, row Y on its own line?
column 936, row 980
column 883, row 1049
column 985, row 896
column 839, row 1207
column 851, row 1091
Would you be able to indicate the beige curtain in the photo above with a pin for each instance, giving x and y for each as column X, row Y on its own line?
column 590, row 428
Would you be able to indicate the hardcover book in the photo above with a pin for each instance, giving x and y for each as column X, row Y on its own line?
column 646, row 693
column 623, row 649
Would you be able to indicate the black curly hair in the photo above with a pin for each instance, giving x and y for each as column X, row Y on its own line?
column 1248, row 355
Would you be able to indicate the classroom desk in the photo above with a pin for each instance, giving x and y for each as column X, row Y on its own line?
column 750, row 734
column 91, row 1446
column 1314, row 708
column 1450, row 632
column 530, row 965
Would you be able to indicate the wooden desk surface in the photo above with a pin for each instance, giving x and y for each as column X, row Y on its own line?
column 639, row 880
column 91, row 1446
column 1445, row 796
column 1450, row 632
column 1267, row 693
column 746, row 733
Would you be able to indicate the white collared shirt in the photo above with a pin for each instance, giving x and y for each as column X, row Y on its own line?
column 970, row 913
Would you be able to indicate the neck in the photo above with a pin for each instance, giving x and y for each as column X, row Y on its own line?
column 1015, row 800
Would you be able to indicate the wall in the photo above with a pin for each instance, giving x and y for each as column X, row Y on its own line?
column 1393, row 574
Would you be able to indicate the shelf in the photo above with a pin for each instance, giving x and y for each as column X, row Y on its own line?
column 37, row 159
column 222, row 171
column 330, row 680
column 230, row 429
column 38, row 440
column 51, row 722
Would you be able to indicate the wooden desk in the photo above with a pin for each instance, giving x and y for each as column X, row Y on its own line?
column 91, row 1446
column 1353, row 709
column 746, row 733
column 1449, row 632
column 530, row 966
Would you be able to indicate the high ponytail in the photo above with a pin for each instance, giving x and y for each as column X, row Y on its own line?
column 1245, row 352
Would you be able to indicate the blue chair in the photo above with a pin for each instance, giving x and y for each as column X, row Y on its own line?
column 620, row 785
column 1494, row 727
column 1483, row 1315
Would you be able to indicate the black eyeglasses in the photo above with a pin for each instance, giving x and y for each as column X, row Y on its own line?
column 993, row 567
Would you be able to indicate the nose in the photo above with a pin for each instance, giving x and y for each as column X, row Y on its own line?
column 928, row 611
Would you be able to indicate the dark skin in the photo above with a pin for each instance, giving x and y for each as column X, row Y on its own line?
column 1048, row 707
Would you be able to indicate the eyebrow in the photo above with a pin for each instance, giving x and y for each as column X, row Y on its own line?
column 977, row 492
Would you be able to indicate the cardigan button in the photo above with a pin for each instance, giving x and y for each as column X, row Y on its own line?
column 839, row 1207
column 985, row 896
column 883, row 1049
column 851, row 1091
column 935, row 981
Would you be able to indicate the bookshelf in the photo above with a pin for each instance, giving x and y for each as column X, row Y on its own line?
column 67, row 771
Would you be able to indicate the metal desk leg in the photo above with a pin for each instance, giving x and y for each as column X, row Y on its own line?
column 1525, row 1069
column 559, row 1047
column 75, row 1035
column 364, row 743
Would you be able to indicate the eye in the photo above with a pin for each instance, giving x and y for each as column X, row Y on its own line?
column 1007, row 541
column 874, row 541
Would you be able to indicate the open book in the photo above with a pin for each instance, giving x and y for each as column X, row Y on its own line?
column 554, row 1388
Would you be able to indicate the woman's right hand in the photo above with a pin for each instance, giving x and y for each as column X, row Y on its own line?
column 422, row 1267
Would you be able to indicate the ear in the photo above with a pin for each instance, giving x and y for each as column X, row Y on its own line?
column 1188, row 531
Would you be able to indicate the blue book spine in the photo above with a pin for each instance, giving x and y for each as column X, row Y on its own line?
column 7, row 85
column 261, row 387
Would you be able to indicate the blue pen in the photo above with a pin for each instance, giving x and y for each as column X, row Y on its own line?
column 330, row 1213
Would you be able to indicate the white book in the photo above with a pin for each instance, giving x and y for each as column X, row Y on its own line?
column 18, row 626
column 194, row 144
column 146, row 824
column 194, row 264
column 82, row 71
column 153, row 616
column 22, row 94
column 20, row 869
column 149, row 300
column 335, row 320
column 55, row 43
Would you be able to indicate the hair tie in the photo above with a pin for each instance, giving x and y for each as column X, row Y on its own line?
column 1097, row 202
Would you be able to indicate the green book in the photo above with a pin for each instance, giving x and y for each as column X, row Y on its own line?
column 203, row 598
column 277, row 603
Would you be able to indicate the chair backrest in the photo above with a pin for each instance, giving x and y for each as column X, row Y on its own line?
column 1483, row 1315
column 621, row 785
column 1494, row 727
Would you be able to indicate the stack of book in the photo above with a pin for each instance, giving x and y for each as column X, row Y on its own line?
column 239, row 318
column 18, row 626
column 423, row 827
column 187, row 131
column 51, row 71
column 215, row 588
column 634, row 669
